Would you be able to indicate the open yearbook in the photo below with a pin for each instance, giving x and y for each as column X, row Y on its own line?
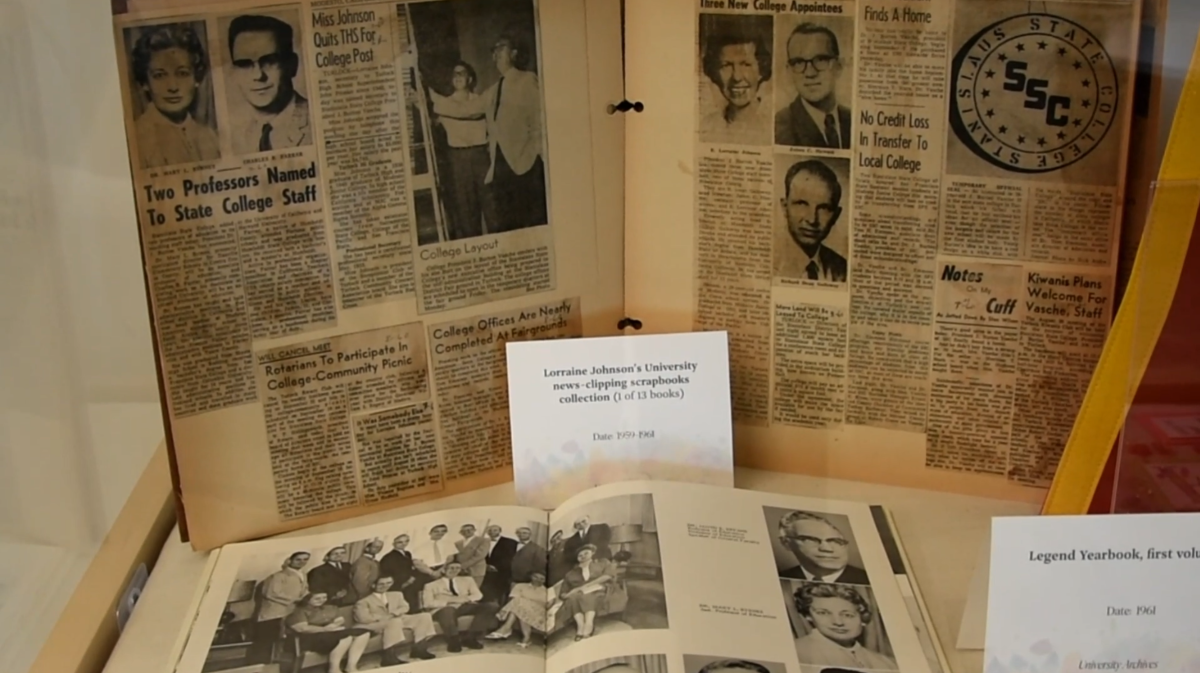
column 650, row 577
column 903, row 212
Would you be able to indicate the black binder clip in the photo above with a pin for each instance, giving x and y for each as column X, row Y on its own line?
column 625, row 106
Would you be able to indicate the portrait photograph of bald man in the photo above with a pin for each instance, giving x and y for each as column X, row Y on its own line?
column 634, row 663
column 814, row 66
column 812, row 237
column 814, row 546
column 263, row 57
column 699, row 663
column 735, row 79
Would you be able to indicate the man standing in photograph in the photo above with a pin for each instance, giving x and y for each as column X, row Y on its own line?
column 472, row 554
column 332, row 578
column 278, row 596
column 517, row 176
column 264, row 64
column 499, row 564
column 811, row 207
column 528, row 557
column 823, row 551
column 738, row 62
column 365, row 569
column 586, row 532
column 398, row 564
column 814, row 118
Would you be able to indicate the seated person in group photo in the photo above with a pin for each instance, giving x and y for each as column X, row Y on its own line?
column 385, row 611
column 838, row 616
column 453, row 596
column 321, row 628
column 583, row 588
column 526, row 606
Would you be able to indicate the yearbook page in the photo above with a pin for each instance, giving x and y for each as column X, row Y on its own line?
column 661, row 577
column 346, row 209
column 425, row 590
column 904, row 212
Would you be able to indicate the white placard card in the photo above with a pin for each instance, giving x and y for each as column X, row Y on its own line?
column 593, row 411
column 1094, row 593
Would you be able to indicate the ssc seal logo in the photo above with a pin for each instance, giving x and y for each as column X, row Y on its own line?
column 1032, row 93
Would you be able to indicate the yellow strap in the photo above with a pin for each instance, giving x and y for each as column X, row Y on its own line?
column 1143, row 311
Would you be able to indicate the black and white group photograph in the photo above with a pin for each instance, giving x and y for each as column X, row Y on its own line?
column 826, row 592
column 813, row 95
column 735, row 78
column 478, row 118
column 264, row 61
column 455, row 588
column 701, row 663
column 605, row 571
column 174, row 116
column 633, row 663
column 812, row 238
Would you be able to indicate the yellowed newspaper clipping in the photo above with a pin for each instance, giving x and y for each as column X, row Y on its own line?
column 905, row 213
column 346, row 210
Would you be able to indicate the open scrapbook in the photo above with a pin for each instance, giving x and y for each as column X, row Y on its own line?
column 905, row 213
column 652, row 576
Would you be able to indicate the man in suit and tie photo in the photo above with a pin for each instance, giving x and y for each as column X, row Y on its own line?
column 499, row 564
column 453, row 596
column 811, row 208
column 398, row 564
column 528, row 557
column 821, row 549
column 586, row 532
column 513, row 110
column 332, row 578
column 472, row 554
column 814, row 118
column 387, row 612
column 264, row 64
column 365, row 569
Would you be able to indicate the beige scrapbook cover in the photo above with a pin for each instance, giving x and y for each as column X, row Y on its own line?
column 347, row 208
column 905, row 212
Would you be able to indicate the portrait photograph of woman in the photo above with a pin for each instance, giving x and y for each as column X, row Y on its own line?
column 174, row 120
column 837, row 625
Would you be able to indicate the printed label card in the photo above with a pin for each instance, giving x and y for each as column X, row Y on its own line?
column 1094, row 593
column 587, row 412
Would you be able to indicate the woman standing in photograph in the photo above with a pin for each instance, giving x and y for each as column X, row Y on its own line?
column 461, row 114
column 169, row 65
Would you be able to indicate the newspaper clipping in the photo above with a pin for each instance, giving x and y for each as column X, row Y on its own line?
column 907, row 215
column 316, row 184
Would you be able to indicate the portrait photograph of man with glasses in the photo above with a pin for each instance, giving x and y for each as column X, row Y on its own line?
column 815, row 56
column 814, row 546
